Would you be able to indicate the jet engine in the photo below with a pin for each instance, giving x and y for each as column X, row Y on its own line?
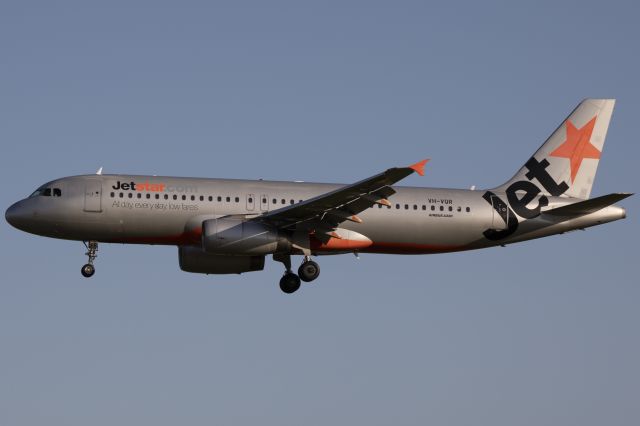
column 194, row 259
column 240, row 237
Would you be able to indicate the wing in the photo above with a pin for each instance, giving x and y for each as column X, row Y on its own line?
column 325, row 212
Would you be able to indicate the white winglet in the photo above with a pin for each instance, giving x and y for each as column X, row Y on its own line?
column 99, row 172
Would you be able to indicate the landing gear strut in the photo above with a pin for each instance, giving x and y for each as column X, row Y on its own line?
column 290, row 282
column 309, row 270
column 88, row 269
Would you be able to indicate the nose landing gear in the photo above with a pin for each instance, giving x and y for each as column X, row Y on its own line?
column 88, row 269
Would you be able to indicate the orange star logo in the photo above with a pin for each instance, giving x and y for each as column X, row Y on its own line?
column 578, row 146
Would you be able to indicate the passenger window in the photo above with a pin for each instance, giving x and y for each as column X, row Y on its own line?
column 166, row 196
column 441, row 208
column 415, row 207
column 228, row 199
column 264, row 201
column 148, row 196
column 184, row 197
column 397, row 206
column 113, row 194
column 139, row 195
column 157, row 196
column 450, row 208
column 283, row 201
column 292, row 202
column 424, row 207
column 237, row 199
column 433, row 207
column 406, row 206
column 210, row 198
column 193, row 198
column 175, row 197
column 250, row 200
column 468, row 209
column 274, row 201
column 121, row 195
column 130, row 195
column 459, row 209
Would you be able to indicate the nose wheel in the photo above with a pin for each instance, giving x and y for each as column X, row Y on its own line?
column 88, row 269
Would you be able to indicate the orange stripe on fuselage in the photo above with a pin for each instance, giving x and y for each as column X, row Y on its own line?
column 338, row 244
column 194, row 237
column 410, row 248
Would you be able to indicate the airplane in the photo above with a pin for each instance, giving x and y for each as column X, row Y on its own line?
column 225, row 226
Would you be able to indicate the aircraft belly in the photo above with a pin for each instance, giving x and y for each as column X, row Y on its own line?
column 159, row 228
column 420, row 234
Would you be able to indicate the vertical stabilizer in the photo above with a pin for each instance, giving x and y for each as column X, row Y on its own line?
column 571, row 155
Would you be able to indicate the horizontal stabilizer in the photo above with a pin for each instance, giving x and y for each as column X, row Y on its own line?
column 582, row 208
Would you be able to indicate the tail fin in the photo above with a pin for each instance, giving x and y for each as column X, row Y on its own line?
column 566, row 163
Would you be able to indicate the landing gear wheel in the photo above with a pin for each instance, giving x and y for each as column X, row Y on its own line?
column 92, row 249
column 88, row 270
column 309, row 271
column 289, row 283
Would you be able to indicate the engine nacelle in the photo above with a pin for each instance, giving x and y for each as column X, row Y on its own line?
column 240, row 237
column 194, row 259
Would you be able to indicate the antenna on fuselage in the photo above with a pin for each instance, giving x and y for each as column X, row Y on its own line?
column 99, row 172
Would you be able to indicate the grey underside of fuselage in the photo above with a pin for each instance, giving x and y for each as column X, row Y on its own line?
column 420, row 220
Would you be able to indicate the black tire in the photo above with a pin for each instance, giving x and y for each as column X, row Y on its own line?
column 88, row 270
column 309, row 271
column 289, row 283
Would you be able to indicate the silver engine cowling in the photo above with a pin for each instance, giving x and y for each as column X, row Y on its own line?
column 194, row 259
column 240, row 237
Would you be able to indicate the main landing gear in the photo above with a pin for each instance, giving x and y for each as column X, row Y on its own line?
column 309, row 270
column 290, row 282
column 88, row 269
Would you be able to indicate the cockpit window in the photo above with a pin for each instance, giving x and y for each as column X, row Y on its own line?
column 47, row 192
column 38, row 192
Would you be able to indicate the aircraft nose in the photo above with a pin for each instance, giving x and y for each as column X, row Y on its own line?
column 15, row 215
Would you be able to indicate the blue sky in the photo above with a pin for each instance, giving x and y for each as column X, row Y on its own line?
column 544, row 332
